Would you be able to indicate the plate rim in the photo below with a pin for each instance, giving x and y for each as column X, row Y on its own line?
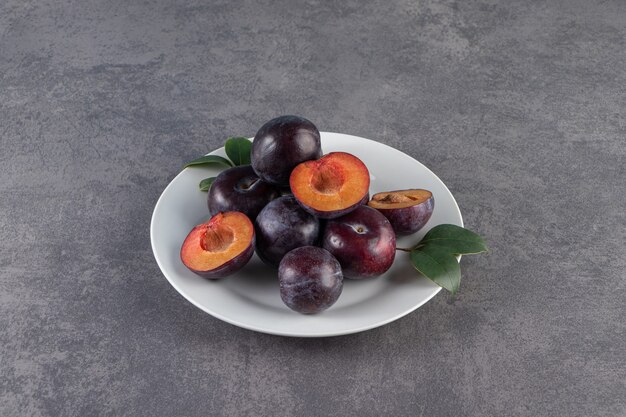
column 275, row 332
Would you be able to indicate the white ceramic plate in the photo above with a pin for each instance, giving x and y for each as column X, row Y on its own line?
column 251, row 299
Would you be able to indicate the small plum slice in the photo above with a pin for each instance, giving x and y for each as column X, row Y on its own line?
column 407, row 210
column 310, row 279
column 219, row 247
column 331, row 186
column 281, row 226
column 240, row 189
column 363, row 242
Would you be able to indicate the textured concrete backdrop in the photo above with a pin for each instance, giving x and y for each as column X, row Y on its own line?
column 518, row 106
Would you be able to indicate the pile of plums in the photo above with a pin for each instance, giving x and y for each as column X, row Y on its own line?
column 306, row 213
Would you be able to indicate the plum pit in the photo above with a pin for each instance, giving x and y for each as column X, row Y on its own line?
column 399, row 199
column 395, row 198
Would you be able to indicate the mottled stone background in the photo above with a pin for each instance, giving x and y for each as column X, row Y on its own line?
column 518, row 106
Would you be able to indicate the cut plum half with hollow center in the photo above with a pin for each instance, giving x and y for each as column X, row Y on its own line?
column 332, row 186
column 219, row 247
column 407, row 210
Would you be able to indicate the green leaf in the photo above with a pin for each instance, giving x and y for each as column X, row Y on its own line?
column 210, row 160
column 438, row 265
column 206, row 183
column 454, row 239
column 238, row 150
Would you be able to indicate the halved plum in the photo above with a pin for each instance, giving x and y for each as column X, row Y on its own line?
column 332, row 186
column 407, row 210
column 219, row 247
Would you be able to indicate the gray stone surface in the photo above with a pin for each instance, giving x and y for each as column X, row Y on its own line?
column 518, row 106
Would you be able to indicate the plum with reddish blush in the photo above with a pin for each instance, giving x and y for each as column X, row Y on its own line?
column 363, row 242
column 331, row 186
column 310, row 279
column 219, row 247
column 240, row 189
column 281, row 144
column 407, row 210
column 282, row 226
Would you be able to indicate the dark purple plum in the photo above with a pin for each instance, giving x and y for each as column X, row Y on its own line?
column 240, row 189
column 310, row 279
column 282, row 226
column 281, row 144
column 363, row 242
column 407, row 210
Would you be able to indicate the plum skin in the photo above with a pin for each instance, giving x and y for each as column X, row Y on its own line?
column 240, row 189
column 311, row 279
column 327, row 215
column 363, row 242
column 281, row 226
column 281, row 144
column 409, row 220
column 230, row 267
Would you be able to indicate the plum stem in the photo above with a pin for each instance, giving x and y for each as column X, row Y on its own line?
column 403, row 249
column 419, row 245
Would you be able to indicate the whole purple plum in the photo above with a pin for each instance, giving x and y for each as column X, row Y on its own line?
column 363, row 242
column 281, row 144
column 240, row 189
column 310, row 279
column 282, row 226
